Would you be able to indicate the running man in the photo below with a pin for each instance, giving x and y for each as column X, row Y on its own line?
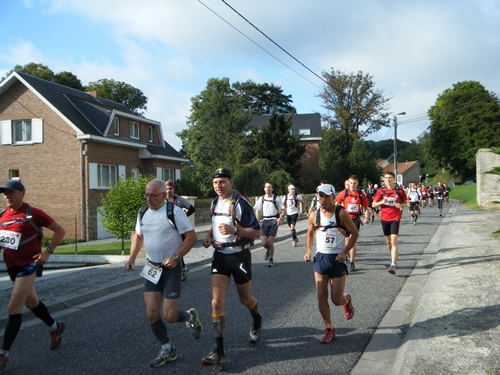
column 390, row 199
column 414, row 196
column 21, row 243
column 439, row 192
column 293, row 203
column 353, row 199
column 370, row 192
column 271, row 206
column 188, row 209
column 162, row 238
column 330, row 223
column 233, row 226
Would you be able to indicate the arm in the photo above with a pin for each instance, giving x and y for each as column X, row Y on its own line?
column 135, row 247
column 187, row 244
column 208, row 239
column 347, row 223
column 191, row 210
column 58, row 235
column 311, row 223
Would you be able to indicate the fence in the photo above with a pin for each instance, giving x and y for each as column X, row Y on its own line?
column 73, row 243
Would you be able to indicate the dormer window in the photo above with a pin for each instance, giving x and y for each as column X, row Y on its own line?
column 151, row 137
column 134, row 130
column 304, row 131
column 116, row 126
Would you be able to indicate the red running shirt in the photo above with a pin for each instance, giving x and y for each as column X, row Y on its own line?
column 389, row 211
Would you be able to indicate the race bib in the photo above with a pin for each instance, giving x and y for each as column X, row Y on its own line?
column 10, row 240
column 391, row 202
column 353, row 208
column 151, row 272
column 330, row 239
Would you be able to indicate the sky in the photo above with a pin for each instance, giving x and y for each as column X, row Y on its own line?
column 169, row 49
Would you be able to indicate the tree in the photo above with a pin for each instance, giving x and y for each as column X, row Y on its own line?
column 463, row 119
column 274, row 143
column 120, row 92
column 68, row 79
column 355, row 107
column 215, row 132
column 35, row 70
column 120, row 205
column 263, row 99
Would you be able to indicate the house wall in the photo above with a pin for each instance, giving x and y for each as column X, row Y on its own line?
column 309, row 170
column 48, row 170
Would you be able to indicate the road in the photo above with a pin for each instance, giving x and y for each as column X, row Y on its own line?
column 111, row 335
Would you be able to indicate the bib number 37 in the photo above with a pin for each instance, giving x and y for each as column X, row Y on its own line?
column 151, row 272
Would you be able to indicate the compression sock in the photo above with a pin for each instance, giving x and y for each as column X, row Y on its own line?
column 42, row 313
column 294, row 234
column 160, row 331
column 11, row 330
column 184, row 316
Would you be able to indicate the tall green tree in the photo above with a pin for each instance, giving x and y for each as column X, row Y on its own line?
column 68, row 79
column 120, row 92
column 464, row 118
column 215, row 132
column 34, row 69
column 354, row 106
column 262, row 99
column 274, row 143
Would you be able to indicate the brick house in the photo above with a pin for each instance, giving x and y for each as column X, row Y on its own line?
column 408, row 171
column 68, row 147
column 308, row 126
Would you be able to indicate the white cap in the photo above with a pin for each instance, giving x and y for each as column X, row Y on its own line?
column 291, row 187
column 326, row 189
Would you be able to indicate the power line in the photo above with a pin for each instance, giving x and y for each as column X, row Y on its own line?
column 260, row 31
column 262, row 48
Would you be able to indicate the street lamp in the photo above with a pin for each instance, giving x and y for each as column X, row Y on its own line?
column 396, row 144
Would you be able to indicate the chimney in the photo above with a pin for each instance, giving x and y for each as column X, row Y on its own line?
column 95, row 94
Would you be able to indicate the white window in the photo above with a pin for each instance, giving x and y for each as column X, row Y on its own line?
column 134, row 130
column 165, row 174
column 103, row 176
column 20, row 132
column 150, row 134
column 304, row 131
column 13, row 174
column 116, row 126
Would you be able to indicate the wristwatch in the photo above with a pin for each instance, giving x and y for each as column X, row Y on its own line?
column 177, row 258
column 50, row 250
column 237, row 231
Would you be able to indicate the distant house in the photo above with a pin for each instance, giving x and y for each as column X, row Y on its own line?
column 308, row 126
column 407, row 172
column 68, row 147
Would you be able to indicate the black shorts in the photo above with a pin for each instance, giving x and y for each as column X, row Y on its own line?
column 325, row 264
column 292, row 219
column 414, row 206
column 269, row 227
column 23, row 271
column 238, row 264
column 169, row 283
column 390, row 227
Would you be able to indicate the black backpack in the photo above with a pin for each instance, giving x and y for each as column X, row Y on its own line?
column 30, row 220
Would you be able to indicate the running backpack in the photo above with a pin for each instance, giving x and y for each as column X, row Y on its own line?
column 397, row 192
column 337, row 221
column 30, row 220
column 170, row 213
column 274, row 202
column 233, row 201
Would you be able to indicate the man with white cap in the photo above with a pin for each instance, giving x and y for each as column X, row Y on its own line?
column 292, row 203
column 331, row 224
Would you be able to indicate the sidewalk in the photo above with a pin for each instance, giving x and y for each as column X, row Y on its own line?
column 453, row 298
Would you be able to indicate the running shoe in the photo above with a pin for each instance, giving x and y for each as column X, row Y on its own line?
column 3, row 361
column 329, row 336
column 215, row 357
column 348, row 309
column 294, row 241
column 55, row 335
column 255, row 332
column 185, row 272
column 392, row 269
column 266, row 257
column 164, row 356
column 352, row 267
column 196, row 327
column 270, row 263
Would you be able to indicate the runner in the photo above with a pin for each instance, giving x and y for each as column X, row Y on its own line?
column 293, row 205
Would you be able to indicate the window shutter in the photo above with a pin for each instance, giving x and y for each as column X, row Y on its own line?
column 37, row 130
column 6, row 132
column 159, row 173
column 93, row 176
column 177, row 174
column 121, row 171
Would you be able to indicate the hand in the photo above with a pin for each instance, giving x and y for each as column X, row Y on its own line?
column 341, row 257
column 41, row 258
column 207, row 242
column 130, row 265
column 366, row 221
column 169, row 262
column 307, row 256
column 226, row 229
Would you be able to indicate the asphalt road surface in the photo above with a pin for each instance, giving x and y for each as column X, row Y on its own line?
column 112, row 336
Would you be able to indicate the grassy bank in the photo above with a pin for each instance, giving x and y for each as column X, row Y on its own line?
column 465, row 194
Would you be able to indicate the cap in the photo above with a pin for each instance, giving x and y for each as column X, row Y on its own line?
column 170, row 183
column 12, row 185
column 222, row 172
column 291, row 187
column 326, row 189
